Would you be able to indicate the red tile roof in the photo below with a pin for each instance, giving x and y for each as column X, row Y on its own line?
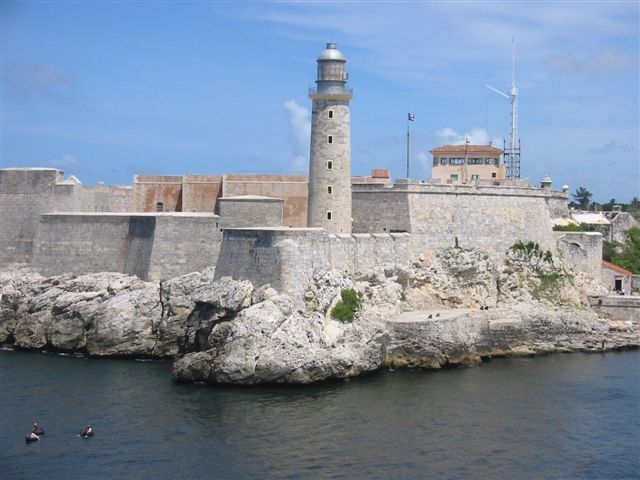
column 380, row 173
column 616, row 268
column 449, row 149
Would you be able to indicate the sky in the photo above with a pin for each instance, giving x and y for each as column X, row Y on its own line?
column 108, row 90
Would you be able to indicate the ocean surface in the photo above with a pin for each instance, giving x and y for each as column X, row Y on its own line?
column 562, row 416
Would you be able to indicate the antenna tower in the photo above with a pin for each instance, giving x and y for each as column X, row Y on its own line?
column 512, row 153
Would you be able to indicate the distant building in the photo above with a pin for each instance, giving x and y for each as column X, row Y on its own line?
column 616, row 278
column 462, row 164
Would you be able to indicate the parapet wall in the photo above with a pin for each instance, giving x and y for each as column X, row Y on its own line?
column 581, row 250
column 287, row 258
column 492, row 218
column 25, row 193
column 151, row 246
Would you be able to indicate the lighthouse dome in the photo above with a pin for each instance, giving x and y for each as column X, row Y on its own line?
column 331, row 53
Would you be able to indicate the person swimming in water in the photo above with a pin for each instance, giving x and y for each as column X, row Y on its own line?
column 37, row 429
column 87, row 431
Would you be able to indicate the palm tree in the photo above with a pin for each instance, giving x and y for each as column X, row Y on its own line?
column 582, row 198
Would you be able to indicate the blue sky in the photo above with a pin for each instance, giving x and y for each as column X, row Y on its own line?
column 107, row 90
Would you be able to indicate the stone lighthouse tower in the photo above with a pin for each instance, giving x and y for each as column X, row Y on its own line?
column 330, row 156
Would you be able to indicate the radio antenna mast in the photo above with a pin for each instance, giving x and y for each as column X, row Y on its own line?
column 512, row 154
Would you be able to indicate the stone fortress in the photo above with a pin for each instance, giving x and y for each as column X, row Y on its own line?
column 277, row 229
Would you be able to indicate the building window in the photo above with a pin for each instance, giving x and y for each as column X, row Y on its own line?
column 493, row 175
column 330, row 113
column 329, row 189
column 475, row 177
column 330, row 139
column 329, row 165
column 328, row 215
column 488, row 161
column 443, row 161
column 496, row 162
column 159, row 207
column 454, row 177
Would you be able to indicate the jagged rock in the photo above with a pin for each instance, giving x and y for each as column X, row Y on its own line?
column 271, row 342
column 126, row 324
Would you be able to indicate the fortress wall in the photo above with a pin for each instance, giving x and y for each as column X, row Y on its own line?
column 292, row 188
column 24, row 194
column 149, row 190
column 490, row 222
column 582, row 251
column 184, row 243
column 102, row 198
column 287, row 258
column 487, row 217
column 251, row 211
column 621, row 308
column 380, row 210
column 88, row 243
column 152, row 246
column 200, row 193
column 558, row 205
column 284, row 258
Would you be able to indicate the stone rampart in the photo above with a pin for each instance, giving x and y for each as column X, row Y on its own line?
column 25, row 193
column 582, row 251
column 492, row 218
column 249, row 211
column 617, row 307
column 151, row 246
column 288, row 257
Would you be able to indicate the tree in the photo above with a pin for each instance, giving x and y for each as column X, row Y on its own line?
column 626, row 255
column 608, row 207
column 582, row 198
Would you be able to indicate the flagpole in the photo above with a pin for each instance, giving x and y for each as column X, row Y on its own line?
column 408, row 145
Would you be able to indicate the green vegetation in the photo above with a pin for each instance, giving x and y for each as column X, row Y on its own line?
column 572, row 227
column 581, row 199
column 550, row 281
column 347, row 307
column 549, row 284
column 627, row 254
column 532, row 250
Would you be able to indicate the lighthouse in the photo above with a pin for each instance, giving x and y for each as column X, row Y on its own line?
column 330, row 156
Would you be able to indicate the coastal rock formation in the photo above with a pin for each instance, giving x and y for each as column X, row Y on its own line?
column 101, row 314
column 271, row 341
column 452, row 307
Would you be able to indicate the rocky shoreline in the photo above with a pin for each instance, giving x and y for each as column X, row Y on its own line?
column 448, row 308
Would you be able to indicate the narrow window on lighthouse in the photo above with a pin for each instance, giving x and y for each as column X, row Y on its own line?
column 329, row 189
column 330, row 113
column 328, row 215
column 330, row 139
column 329, row 165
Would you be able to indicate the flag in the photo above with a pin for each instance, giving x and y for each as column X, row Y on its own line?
column 412, row 117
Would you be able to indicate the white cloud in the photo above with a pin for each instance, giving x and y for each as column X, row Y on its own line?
column 25, row 82
column 299, row 133
column 610, row 148
column 477, row 136
column 300, row 164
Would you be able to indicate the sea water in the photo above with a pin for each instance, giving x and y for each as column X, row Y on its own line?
column 561, row 416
